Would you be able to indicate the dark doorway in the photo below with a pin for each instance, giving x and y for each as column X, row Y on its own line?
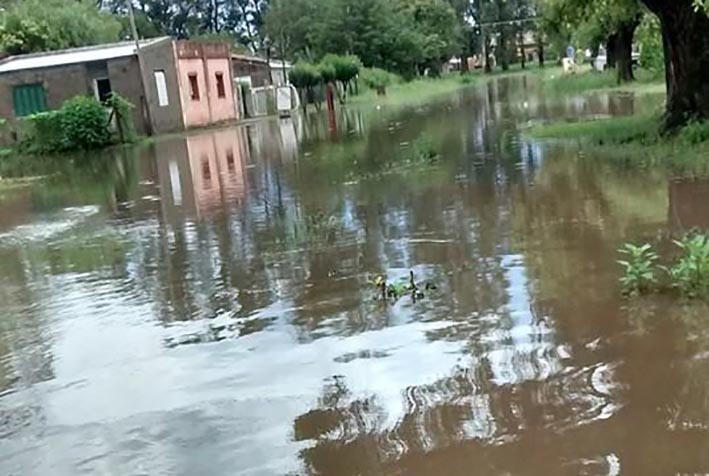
column 103, row 89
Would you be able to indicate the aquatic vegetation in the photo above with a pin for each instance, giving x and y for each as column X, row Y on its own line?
column 640, row 272
column 421, row 151
column 396, row 290
column 635, row 142
column 688, row 274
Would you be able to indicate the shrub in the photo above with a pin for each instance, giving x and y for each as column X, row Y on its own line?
column 80, row 124
column 695, row 132
column 305, row 75
column 327, row 73
column 45, row 133
column 85, row 124
column 121, row 109
column 691, row 273
column 378, row 79
column 346, row 70
column 640, row 268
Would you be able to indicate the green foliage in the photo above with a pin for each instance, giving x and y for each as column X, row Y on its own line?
column 695, row 132
column 29, row 26
column 640, row 268
column 690, row 275
column 617, row 130
column 378, row 79
column 346, row 67
column 122, row 111
column 305, row 75
column 45, row 132
column 397, row 35
column 81, row 123
column 421, row 151
column 649, row 38
column 327, row 73
column 84, row 122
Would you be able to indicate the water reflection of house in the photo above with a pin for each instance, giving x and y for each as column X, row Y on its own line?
column 688, row 204
column 201, row 173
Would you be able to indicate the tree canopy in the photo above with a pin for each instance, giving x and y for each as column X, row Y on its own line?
column 28, row 26
column 398, row 35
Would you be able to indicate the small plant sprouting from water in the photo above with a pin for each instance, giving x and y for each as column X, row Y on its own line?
column 688, row 274
column 387, row 291
column 421, row 151
column 640, row 268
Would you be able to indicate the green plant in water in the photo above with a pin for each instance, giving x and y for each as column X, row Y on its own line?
column 690, row 275
column 640, row 268
column 421, row 151
column 122, row 111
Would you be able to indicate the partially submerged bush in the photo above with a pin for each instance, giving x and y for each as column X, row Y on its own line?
column 378, row 79
column 640, row 268
column 695, row 132
column 82, row 123
column 688, row 274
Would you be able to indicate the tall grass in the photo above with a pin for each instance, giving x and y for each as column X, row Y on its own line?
column 635, row 142
column 589, row 80
column 415, row 92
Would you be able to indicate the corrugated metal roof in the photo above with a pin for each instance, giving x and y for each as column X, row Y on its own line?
column 253, row 59
column 73, row 56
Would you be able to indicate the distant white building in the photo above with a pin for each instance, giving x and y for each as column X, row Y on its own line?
column 279, row 71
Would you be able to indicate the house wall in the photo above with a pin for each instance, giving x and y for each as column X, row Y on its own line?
column 60, row 83
column 195, row 111
column 161, row 57
column 124, row 75
column 204, row 60
column 223, row 109
column 258, row 71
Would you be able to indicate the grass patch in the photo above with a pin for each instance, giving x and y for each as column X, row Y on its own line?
column 616, row 130
column 635, row 142
column 415, row 92
column 589, row 80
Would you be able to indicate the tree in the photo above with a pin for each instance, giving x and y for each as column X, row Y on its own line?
column 28, row 26
column 346, row 70
column 306, row 77
column 686, row 44
column 614, row 20
column 437, row 22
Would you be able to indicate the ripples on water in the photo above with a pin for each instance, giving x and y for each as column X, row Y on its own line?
column 198, row 311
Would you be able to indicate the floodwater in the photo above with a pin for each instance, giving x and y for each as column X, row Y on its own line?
column 203, row 305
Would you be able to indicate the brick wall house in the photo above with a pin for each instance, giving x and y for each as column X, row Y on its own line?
column 187, row 84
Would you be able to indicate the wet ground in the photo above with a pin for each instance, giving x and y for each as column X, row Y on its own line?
column 203, row 305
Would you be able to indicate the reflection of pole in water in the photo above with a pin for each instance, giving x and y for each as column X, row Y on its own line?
column 331, row 119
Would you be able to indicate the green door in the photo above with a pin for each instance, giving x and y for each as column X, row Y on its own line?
column 29, row 99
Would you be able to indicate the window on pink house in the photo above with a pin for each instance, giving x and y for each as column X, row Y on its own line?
column 194, row 86
column 221, row 90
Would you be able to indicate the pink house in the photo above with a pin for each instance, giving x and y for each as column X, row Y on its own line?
column 205, row 83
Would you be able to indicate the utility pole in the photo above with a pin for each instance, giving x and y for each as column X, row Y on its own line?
column 141, row 67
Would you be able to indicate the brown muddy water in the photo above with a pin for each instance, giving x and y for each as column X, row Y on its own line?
column 202, row 305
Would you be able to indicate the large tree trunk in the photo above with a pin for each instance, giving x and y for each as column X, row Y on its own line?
column 503, row 52
column 611, row 43
column 540, row 53
column 686, row 43
column 624, row 51
column 486, row 55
